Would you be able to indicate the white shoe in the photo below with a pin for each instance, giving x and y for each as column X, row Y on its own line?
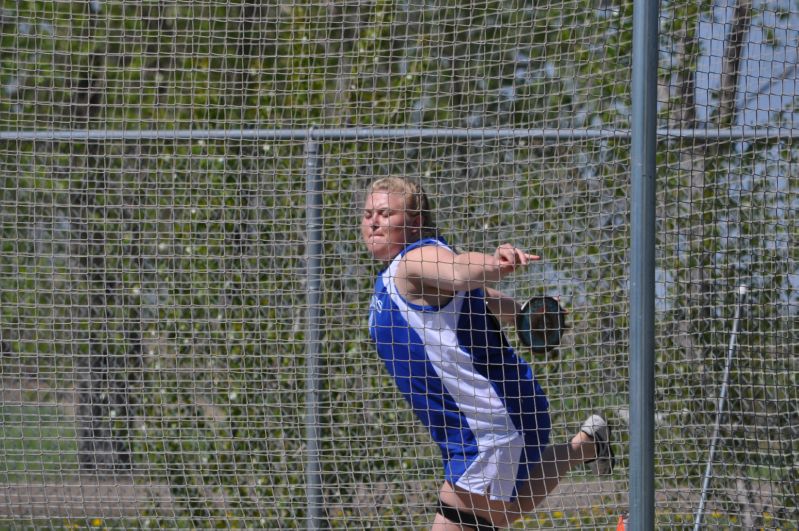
column 597, row 428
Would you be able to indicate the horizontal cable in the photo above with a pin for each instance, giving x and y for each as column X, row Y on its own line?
column 366, row 133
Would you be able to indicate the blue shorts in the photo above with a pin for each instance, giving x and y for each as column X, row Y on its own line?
column 498, row 463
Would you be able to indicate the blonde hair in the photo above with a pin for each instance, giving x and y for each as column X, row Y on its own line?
column 416, row 200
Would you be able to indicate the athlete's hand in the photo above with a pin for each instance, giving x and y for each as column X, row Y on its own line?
column 509, row 258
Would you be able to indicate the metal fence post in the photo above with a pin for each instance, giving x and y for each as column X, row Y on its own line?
column 313, row 254
column 642, row 265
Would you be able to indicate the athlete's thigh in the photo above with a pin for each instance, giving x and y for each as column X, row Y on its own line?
column 500, row 513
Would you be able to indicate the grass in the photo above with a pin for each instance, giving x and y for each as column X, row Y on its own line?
column 587, row 518
column 37, row 442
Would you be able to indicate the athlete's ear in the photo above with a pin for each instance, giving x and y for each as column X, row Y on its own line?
column 414, row 222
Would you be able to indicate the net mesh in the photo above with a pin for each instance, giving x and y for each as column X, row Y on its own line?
column 155, row 309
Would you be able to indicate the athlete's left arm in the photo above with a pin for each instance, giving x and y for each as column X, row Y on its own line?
column 502, row 306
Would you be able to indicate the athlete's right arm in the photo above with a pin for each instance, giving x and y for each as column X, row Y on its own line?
column 438, row 267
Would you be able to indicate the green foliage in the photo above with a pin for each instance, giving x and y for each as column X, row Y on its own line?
column 36, row 444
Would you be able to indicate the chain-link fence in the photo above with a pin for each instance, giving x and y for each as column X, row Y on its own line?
column 184, row 293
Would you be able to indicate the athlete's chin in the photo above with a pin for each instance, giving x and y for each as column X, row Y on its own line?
column 379, row 250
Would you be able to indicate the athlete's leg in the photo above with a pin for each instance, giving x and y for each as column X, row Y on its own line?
column 556, row 461
column 592, row 444
column 448, row 517
column 495, row 512
column 441, row 523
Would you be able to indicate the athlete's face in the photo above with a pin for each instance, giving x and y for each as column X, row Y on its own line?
column 386, row 226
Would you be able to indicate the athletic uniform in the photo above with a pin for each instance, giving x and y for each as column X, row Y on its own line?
column 479, row 400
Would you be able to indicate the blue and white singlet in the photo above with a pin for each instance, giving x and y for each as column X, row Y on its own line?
column 479, row 400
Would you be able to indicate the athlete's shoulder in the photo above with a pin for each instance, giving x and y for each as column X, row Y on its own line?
column 425, row 242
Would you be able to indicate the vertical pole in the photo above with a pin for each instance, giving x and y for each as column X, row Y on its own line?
column 642, row 264
column 313, row 256
column 725, row 382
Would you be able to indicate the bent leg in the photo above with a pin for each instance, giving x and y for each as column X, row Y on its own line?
column 556, row 461
column 441, row 523
column 496, row 512
column 447, row 515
